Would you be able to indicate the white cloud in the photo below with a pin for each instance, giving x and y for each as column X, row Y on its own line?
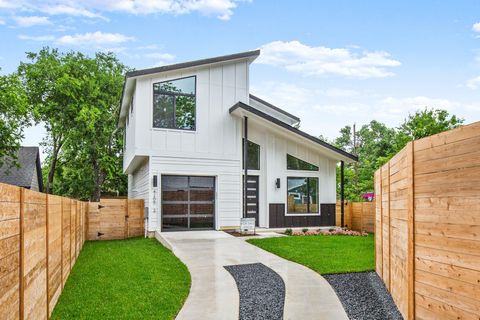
column 93, row 39
column 222, row 9
column 399, row 105
column 338, row 92
column 29, row 21
column 70, row 9
column 474, row 83
column 2, row 22
column 476, row 27
column 36, row 38
column 160, row 57
column 298, row 57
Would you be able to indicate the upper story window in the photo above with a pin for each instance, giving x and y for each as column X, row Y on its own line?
column 298, row 164
column 253, row 154
column 174, row 104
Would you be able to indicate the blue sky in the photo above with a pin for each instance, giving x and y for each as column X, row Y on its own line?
column 331, row 63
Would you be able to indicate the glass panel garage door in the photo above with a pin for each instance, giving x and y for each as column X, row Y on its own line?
column 188, row 203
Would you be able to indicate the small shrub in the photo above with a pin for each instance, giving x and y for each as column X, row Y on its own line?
column 305, row 230
column 289, row 232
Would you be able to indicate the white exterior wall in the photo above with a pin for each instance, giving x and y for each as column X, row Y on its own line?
column 213, row 149
column 273, row 164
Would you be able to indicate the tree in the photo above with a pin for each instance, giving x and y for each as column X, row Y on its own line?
column 376, row 144
column 14, row 115
column 77, row 98
column 424, row 123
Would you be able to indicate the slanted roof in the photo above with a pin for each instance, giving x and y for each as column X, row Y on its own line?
column 275, row 111
column 22, row 176
column 130, row 77
column 249, row 110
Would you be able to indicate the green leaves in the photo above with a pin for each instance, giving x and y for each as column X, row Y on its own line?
column 77, row 98
column 376, row 144
column 14, row 115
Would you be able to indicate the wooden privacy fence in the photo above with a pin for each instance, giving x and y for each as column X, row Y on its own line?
column 427, row 239
column 358, row 216
column 41, row 237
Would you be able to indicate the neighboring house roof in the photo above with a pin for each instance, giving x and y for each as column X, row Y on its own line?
column 130, row 76
column 263, row 115
column 23, row 175
column 294, row 119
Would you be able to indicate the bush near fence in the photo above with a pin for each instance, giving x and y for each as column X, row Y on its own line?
column 428, row 226
column 41, row 237
column 358, row 216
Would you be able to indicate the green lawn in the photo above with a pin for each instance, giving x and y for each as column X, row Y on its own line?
column 124, row 279
column 324, row 254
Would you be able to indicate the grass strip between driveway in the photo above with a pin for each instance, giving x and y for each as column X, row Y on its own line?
column 124, row 279
column 324, row 254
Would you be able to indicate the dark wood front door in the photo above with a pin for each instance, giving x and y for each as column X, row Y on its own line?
column 252, row 198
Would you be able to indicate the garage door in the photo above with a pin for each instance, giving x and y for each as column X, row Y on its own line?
column 188, row 203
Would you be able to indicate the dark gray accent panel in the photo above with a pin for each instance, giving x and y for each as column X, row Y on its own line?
column 290, row 128
column 262, row 291
column 278, row 219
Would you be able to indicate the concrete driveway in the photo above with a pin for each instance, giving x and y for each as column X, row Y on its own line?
column 214, row 293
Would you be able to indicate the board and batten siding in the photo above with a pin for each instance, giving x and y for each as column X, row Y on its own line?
column 217, row 134
column 273, row 164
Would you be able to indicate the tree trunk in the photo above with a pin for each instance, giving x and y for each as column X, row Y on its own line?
column 57, row 145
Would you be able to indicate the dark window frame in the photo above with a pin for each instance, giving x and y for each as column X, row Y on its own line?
column 174, row 103
column 309, row 212
column 258, row 158
column 311, row 170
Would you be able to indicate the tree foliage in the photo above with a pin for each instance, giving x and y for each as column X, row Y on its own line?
column 14, row 115
column 376, row 144
column 77, row 98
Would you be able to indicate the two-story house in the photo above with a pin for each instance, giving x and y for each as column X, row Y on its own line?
column 191, row 127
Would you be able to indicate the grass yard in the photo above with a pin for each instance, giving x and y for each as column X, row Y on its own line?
column 124, row 279
column 324, row 254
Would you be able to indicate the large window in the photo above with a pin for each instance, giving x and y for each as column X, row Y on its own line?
column 253, row 154
column 174, row 104
column 302, row 195
column 298, row 164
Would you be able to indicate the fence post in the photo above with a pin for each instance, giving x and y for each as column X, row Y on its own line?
column 22, row 254
column 411, row 231
column 46, row 250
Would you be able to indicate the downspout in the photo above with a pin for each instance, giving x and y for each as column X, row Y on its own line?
column 342, row 192
column 245, row 157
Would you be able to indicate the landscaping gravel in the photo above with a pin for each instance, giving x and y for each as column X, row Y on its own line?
column 262, row 291
column 364, row 296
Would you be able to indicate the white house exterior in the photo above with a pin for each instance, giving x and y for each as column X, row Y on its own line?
column 184, row 129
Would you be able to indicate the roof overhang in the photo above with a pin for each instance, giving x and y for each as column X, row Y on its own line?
column 130, row 77
column 241, row 110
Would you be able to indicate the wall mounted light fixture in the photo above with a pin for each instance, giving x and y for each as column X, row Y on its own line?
column 277, row 183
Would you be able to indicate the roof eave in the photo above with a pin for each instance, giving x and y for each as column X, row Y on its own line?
column 347, row 156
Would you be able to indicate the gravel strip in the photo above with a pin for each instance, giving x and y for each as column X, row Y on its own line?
column 364, row 296
column 262, row 291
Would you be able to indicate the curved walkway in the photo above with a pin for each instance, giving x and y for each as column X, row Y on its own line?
column 214, row 293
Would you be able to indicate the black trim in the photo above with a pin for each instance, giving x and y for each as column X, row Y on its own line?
column 190, row 64
column 268, row 104
column 308, row 196
column 292, row 129
column 175, row 105
column 39, row 172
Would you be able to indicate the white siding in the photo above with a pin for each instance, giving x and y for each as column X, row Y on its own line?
column 139, row 183
column 273, row 164
column 217, row 133
column 227, row 175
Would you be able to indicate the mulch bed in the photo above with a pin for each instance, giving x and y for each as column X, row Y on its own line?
column 364, row 296
column 261, row 290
